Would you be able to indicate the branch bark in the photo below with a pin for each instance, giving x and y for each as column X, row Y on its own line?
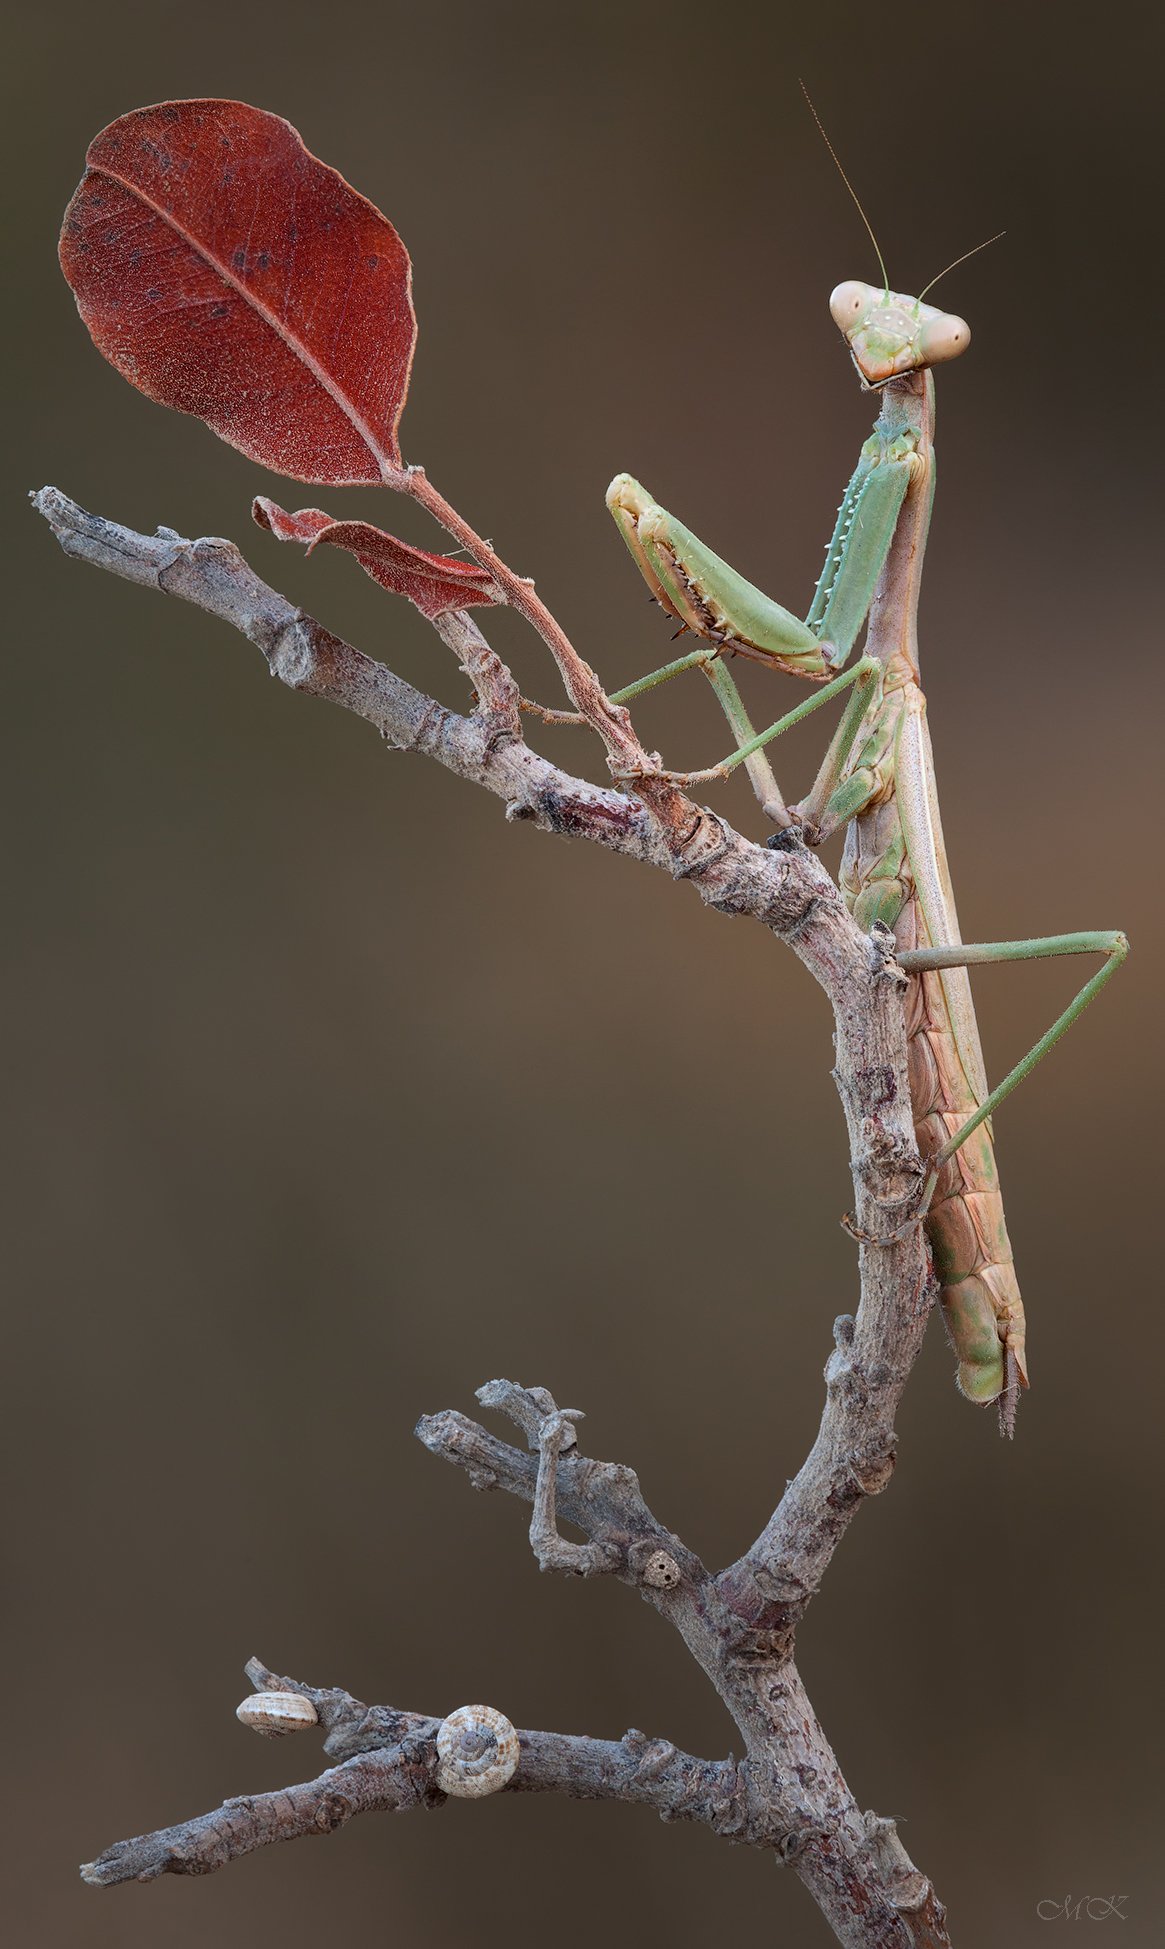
column 739, row 1625
column 387, row 1762
column 851, row 1861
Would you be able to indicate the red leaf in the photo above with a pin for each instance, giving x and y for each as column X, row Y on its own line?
column 307, row 525
column 226, row 271
column 435, row 583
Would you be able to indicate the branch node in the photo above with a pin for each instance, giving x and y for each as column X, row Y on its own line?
column 870, row 1468
column 527, row 1408
column 908, row 1889
column 845, row 1379
column 787, row 840
column 883, row 948
column 291, row 656
column 652, row 1758
column 707, row 843
column 797, row 1840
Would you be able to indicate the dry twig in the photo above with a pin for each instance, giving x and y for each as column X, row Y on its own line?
column 788, row 1794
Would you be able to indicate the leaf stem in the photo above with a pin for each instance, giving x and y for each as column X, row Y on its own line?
column 582, row 683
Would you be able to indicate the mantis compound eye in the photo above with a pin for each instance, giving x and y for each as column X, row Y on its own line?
column 847, row 303
column 943, row 337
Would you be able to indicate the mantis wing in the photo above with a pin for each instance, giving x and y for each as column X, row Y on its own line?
column 918, row 810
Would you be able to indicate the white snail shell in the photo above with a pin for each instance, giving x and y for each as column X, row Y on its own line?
column 276, row 1713
column 477, row 1752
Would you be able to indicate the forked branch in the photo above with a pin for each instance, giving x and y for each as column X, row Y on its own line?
column 386, row 1760
column 788, row 1794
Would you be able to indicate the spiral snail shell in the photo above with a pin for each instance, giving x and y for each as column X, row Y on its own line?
column 276, row 1713
column 477, row 1752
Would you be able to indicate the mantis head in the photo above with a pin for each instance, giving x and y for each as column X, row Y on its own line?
column 889, row 333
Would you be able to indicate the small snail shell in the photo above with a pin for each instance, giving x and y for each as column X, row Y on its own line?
column 477, row 1752
column 275, row 1713
column 661, row 1571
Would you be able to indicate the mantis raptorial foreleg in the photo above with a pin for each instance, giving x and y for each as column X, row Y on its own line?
column 707, row 596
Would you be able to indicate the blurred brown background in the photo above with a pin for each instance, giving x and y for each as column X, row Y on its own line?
column 334, row 1096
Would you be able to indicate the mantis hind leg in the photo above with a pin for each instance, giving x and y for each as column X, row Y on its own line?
column 1114, row 947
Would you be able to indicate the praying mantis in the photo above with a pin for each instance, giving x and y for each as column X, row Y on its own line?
column 877, row 781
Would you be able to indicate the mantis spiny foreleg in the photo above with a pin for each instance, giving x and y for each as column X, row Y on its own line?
column 695, row 586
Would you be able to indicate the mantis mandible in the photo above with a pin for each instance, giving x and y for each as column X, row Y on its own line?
column 877, row 780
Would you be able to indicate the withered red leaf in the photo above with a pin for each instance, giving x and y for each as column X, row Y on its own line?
column 435, row 583
column 226, row 271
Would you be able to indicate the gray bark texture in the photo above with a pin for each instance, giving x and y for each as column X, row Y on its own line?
column 787, row 1794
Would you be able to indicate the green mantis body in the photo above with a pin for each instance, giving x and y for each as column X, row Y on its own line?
column 877, row 780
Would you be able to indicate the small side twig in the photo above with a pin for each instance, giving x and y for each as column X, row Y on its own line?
column 548, row 714
column 498, row 701
column 387, row 1762
column 603, row 1499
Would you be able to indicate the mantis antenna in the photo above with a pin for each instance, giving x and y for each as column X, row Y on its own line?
column 961, row 260
column 845, row 179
